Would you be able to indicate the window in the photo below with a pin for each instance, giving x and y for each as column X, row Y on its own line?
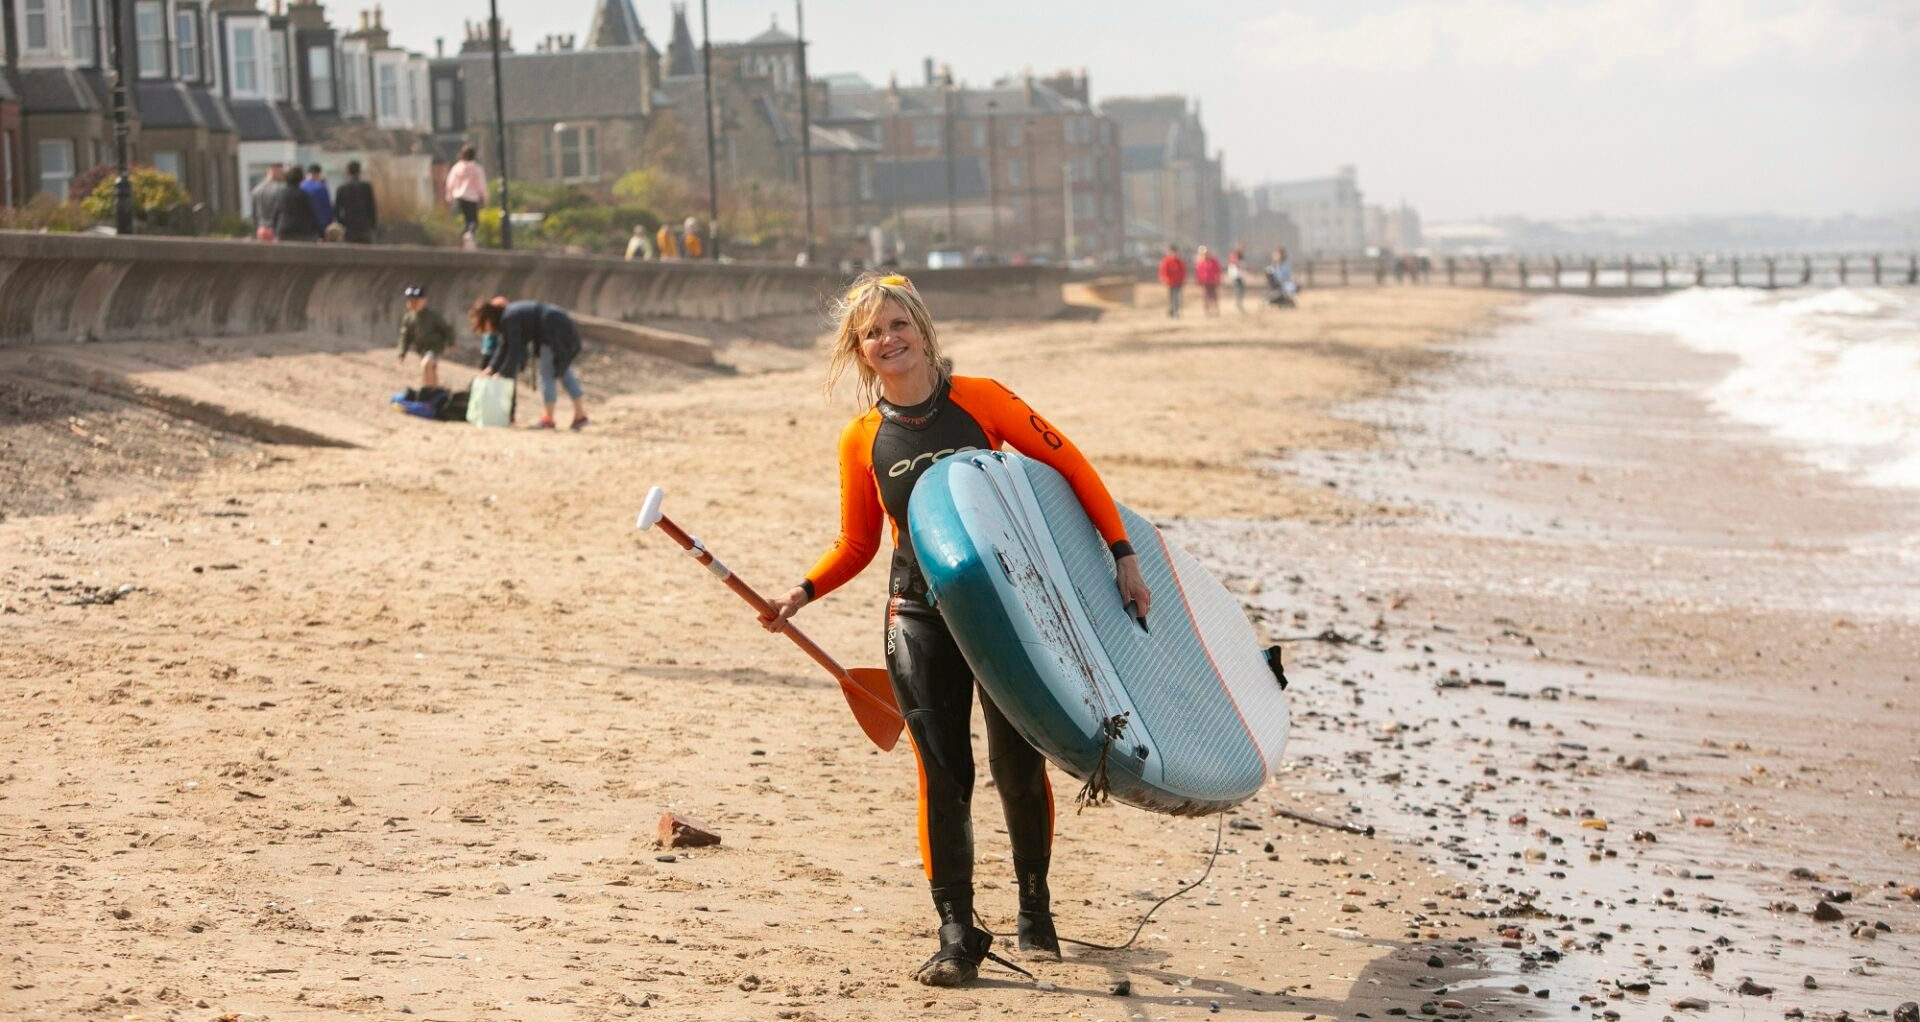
column 979, row 135
column 1083, row 208
column 86, row 34
column 443, row 105
column 926, row 134
column 38, row 19
column 278, row 68
column 1013, row 172
column 167, row 161
column 246, row 61
column 572, row 153
column 1018, row 204
column 320, row 77
column 1079, row 130
column 866, row 181
column 1013, row 132
column 186, row 37
column 353, row 70
column 150, row 38
column 389, row 93
column 56, row 167
column 1081, row 169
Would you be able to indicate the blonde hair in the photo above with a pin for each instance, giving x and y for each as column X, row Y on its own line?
column 856, row 310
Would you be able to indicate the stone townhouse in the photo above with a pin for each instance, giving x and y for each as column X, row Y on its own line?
column 1174, row 190
column 1024, row 168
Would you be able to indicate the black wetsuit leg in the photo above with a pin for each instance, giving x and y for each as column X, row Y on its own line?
column 934, row 686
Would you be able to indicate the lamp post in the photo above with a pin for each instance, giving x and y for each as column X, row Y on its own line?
column 946, row 109
column 993, row 173
column 713, row 177
column 122, row 184
column 806, row 123
column 500, row 126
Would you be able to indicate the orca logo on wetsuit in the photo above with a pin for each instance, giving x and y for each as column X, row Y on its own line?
column 905, row 465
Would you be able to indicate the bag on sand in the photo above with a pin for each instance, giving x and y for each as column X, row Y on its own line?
column 454, row 408
column 426, row 402
column 490, row 402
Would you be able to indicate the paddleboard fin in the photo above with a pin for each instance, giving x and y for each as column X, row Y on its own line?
column 1273, row 664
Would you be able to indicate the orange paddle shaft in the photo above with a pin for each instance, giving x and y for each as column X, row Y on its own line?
column 765, row 610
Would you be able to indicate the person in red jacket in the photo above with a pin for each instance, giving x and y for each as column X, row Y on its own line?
column 1206, row 273
column 1173, row 273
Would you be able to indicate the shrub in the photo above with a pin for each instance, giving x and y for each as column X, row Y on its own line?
column 155, row 195
column 46, row 213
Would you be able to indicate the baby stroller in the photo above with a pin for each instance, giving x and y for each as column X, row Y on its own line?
column 1280, row 286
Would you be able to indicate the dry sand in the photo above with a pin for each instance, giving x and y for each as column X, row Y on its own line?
column 387, row 728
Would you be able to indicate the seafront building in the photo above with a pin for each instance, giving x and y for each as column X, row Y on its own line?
column 1175, row 192
column 1328, row 212
column 216, row 90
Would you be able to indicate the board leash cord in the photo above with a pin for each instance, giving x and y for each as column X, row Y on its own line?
column 1219, row 832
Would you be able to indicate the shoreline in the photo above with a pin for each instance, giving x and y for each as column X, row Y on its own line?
column 1696, row 660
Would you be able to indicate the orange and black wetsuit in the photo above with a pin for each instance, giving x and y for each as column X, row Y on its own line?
column 882, row 454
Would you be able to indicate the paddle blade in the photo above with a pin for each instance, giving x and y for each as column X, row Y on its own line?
column 878, row 716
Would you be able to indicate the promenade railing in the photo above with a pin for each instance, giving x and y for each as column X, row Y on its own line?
column 1600, row 273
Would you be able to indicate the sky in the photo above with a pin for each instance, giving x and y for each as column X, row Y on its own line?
column 1462, row 108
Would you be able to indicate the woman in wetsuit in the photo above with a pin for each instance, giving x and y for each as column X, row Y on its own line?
column 920, row 413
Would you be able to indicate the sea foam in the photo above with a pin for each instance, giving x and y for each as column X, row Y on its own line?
column 1835, row 371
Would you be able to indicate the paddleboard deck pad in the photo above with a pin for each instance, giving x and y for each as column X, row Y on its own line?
column 1185, row 716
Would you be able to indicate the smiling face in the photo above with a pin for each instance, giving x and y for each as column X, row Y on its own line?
column 892, row 347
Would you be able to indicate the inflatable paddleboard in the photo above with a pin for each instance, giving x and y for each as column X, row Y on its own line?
column 1185, row 716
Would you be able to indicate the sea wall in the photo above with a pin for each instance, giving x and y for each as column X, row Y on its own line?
column 61, row 288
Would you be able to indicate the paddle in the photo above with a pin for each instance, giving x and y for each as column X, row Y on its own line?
column 869, row 692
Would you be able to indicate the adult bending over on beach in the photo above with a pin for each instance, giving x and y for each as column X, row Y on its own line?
column 545, row 331
column 919, row 412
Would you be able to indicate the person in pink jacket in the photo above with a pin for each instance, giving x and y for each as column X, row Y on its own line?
column 467, row 190
column 1206, row 273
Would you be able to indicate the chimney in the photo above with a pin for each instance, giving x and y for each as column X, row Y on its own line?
column 439, row 47
column 379, row 17
column 926, row 70
column 1027, row 87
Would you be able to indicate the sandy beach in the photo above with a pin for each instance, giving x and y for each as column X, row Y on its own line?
column 383, row 729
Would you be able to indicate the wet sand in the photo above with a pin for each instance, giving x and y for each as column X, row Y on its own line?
column 297, row 732
column 1644, row 676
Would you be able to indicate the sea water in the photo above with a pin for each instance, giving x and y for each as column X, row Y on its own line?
column 1833, row 371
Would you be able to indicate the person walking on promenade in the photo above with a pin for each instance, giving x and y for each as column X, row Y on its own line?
column 668, row 244
column 427, row 332
column 919, row 412
column 354, row 207
column 1237, row 276
column 467, row 190
column 267, row 198
column 640, row 246
column 1206, row 273
column 1173, row 273
column 295, row 220
column 315, row 187
column 544, row 333
column 693, row 246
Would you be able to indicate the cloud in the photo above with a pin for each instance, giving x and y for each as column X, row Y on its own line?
column 1589, row 38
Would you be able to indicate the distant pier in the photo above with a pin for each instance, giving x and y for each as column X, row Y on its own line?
column 1615, row 274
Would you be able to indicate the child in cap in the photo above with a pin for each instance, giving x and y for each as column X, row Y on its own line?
column 427, row 332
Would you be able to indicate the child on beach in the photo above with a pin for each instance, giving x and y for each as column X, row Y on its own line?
column 427, row 332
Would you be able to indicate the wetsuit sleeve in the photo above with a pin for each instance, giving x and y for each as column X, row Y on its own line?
column 1013, row 420
column 860, row 515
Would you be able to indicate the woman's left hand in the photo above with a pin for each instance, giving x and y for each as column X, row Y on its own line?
column 1133, row 588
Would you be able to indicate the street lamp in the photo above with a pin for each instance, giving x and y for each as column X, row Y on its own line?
column 499, row 126
column 122, row 183
column 993, row 172
column 806, row 123
column 713, row 178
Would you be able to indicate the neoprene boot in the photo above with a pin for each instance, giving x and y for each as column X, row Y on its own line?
column 963, row 946
column 1036, row 933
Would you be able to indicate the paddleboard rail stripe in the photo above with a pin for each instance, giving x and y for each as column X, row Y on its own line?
column 1201, row 634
